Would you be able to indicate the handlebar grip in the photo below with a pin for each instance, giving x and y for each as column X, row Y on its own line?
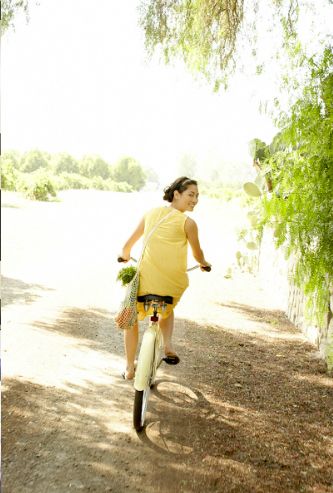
column 120, row 259
column 207, row 268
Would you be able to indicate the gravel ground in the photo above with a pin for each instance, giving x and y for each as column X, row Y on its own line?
column 248, row 409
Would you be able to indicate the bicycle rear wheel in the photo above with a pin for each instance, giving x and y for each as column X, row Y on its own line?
column 140, row 408
column 145, row 374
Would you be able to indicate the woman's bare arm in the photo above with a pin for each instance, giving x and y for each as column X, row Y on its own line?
column 135, row 236
column 191, row 230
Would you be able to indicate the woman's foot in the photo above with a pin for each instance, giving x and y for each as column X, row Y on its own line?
column 129, row 373
column 171, row 358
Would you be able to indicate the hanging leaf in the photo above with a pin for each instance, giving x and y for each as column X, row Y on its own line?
column 253, row 220
column 252, row 189
column 251, row 245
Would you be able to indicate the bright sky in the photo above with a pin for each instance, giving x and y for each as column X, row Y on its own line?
column 77, row 79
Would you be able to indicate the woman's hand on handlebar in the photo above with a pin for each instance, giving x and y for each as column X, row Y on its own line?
column 206, row 267
column 123, row 258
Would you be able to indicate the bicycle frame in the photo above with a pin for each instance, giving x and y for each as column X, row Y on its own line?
column 148, row 361
column 149, row 355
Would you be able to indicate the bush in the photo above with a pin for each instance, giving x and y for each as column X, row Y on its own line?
column 120, row 186
column 37, row 186
column 98, row 183
column 218, row 191
column 8, row 175
column 38, row 174
column 72, row 181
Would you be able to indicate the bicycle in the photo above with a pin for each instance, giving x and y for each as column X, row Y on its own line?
column 149, row 359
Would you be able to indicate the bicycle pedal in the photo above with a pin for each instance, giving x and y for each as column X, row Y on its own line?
column 171, row 360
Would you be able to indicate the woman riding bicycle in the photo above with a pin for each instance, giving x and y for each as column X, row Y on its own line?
column 164, row 262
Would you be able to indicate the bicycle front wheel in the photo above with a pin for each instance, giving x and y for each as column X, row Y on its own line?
column 140, row 408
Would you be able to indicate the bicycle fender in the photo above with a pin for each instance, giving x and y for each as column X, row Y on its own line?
column 145, row 361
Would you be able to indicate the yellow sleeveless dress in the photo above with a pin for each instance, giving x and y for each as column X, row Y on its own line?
column 164, row 262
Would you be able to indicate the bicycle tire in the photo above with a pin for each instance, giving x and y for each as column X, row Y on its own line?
column 140, row 408
column 145, row 376
column 146, row 357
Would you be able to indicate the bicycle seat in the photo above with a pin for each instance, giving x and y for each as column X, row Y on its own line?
column 146, row 298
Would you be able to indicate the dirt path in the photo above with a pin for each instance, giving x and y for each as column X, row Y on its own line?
column 249, row 409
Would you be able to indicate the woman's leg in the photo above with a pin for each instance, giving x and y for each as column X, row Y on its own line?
column 166, row 326
column 131, row 343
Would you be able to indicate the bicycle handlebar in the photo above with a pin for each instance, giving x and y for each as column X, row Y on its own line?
column 207, row 268
column 121, row 259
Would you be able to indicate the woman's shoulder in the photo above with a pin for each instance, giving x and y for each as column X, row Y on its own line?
column 157, row 210
column 190, row 225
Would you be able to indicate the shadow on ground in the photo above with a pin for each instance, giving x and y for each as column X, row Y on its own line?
column 239, row 414
column 93, row 327
column 9, row 205
column 277, row 319
column 16, row 291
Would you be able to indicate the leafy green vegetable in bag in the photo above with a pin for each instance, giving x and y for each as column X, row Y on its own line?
column 126, row 274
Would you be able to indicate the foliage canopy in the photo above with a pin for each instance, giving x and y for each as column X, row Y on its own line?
column 211, row 35
column 203, row 32
column 9, row 8
column 34, row 160
column 129, row 170
column 301, row 166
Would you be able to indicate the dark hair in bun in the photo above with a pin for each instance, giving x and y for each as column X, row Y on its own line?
column 181, row 184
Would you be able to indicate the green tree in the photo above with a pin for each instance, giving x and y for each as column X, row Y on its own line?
column 260, row 153
column 8, row 174
column 302, row 206
column 211, row 36
column 34, row 160
column 278, row 144
column 93, row 166
column 65, row 163
column 129, row 170
column 203, row 32
column 259, row 150
column 13, row 157
column 9, row 9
